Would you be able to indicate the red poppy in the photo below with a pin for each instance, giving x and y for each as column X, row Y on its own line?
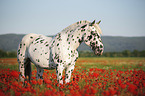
column 95, row 75
column 40, row 81
column 132, row 88
column 123, row 86
column 34, row 82
column 112, row 91
column 106, row 93
column 14, row 74
column 47, row 81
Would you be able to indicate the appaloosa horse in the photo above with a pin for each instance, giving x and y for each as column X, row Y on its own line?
column 58, row 52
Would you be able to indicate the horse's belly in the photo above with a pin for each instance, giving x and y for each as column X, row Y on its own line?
column 41, row 61
column 38, row 59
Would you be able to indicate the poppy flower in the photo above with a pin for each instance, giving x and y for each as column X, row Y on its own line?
column 123, row 86
column 132, row 88
column 34, row 82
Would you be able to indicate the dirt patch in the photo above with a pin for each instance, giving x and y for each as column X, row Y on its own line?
column 9, row 61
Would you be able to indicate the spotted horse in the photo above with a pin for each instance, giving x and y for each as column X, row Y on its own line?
column 58, row 52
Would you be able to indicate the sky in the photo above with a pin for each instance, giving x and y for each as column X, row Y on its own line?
column 48, row 17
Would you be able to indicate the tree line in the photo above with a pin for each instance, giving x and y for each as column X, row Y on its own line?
column 125, row 53
column 4, row 54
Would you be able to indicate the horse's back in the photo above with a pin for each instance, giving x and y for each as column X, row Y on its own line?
column 27, row 39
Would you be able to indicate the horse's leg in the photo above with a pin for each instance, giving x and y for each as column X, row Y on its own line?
column 22, row 70
column 59, row 70
column 39, row 73
column 68, row 73
column 28, row 69
column 21, row 58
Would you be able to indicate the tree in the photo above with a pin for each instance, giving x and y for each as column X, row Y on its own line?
column 2, row 53
column 126, row 53
column 12, row 54
column 135, row 53
column 142, row 53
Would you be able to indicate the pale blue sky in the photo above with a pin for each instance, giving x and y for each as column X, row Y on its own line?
column 48, row 17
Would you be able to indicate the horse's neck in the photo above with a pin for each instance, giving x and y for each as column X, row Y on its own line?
column 75, row 35
column 75, row 25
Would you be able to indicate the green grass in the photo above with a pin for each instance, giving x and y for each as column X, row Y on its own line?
column 117, row 63
column 12, row 67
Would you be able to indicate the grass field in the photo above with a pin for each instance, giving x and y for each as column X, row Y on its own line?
column 92, row 76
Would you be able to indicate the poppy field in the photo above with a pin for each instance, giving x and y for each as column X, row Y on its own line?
column 91, row 77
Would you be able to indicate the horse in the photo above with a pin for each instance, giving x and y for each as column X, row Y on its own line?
column 58, row 52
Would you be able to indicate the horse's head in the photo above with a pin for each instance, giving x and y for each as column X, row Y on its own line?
column 92, row 37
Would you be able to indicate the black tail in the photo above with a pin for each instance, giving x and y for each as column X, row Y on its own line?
column 28, row 69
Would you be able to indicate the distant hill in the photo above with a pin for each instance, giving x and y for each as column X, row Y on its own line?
column 9, row 42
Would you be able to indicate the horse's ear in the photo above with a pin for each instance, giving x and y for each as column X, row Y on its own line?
column 84, row 26
column 92, row 23
column 98, row 22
